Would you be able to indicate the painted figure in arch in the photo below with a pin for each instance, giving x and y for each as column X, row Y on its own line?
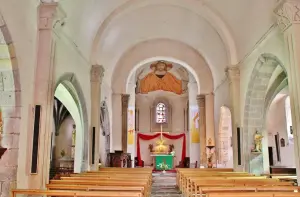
column 160, row 79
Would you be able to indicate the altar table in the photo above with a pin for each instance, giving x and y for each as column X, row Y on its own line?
column 168, row 159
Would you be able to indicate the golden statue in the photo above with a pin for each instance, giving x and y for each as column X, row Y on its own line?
column 160, row 79
column 161, row 147
column 258, row 142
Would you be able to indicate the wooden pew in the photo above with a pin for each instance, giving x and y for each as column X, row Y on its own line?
column 75, row 193
column 197, row 185
column 255, row 194
column 122, row 182
column 97, row 188
column 206, row 190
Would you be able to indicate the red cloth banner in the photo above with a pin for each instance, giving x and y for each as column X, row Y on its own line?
column 151, row 137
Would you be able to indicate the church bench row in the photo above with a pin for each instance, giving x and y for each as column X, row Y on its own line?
column 196, row 186
column 105, row 183
column 195, row 182
column 254, row 194
column 205, row 190
column 116, row 183
column 195, row 171
column 75, row 193
column 183, row 178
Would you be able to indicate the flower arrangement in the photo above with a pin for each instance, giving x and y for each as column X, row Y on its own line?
column 163, row 166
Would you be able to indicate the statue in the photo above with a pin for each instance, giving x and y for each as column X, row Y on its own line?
column 74, row 135
column 257, row 141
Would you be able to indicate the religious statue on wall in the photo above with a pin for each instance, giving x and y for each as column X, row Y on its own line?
column 105, row 126
column 73, row 141
column 258, row 142
column 161, row 79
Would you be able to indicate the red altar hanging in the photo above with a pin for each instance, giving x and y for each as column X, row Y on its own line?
column 151, row 137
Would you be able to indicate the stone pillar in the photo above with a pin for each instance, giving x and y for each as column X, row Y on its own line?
column 125, row 100
column 288, row 18
column 43, row 93
column 210, row 121
column 233, row 74
column 202, row 129
column 209, row 118
column 97, row 73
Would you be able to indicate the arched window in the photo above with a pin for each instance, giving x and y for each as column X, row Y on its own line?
column 288, row 119
column 161, row 113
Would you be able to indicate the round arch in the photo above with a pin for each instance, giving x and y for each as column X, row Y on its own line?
column 71, row 84
column 169, row 59
column 159, row 48
column 256, row 104
column 197, row 7
column 11, row 109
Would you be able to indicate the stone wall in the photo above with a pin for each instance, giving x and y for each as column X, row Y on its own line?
column 10, row 99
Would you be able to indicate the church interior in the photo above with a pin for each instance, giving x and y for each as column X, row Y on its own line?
column 150, row 98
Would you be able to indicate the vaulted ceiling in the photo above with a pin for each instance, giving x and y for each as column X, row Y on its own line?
column 223, row 32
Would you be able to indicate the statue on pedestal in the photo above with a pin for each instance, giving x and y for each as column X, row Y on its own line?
column 258, row 142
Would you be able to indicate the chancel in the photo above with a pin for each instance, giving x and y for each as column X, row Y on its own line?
column 144, row 98
column 162, row 158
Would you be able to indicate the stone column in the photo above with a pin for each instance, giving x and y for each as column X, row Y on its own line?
column 125, row 100
column 210, row 121
column 288, row 18
column 233, row 74
column 209, row 118
column 43, row 93
column 97, row 73
column 202, row 129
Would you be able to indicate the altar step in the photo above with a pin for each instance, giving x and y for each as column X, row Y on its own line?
column 165, row 185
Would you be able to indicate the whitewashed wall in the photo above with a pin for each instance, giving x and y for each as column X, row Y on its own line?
column 64, row 140
column 276, row 123
column 178, row 104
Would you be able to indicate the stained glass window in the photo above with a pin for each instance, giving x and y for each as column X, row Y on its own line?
column 161, row 113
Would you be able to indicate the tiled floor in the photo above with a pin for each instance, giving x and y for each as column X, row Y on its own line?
column 165, row 185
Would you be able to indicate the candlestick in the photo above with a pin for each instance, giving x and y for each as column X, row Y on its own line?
column 161, row 131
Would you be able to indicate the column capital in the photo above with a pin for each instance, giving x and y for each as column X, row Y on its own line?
column 97, row 73
column 46, row 15
column 200, row 100
column 232, row 72
column 287, row 13
column 125, row 100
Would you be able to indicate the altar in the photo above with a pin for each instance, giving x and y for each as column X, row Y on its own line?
column 163, row 159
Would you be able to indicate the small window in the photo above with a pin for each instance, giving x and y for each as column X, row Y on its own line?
column 161, row 113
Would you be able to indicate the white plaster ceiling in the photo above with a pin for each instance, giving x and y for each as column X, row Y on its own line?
column 223, row 32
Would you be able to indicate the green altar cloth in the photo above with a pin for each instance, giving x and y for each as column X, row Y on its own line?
column 167, row 159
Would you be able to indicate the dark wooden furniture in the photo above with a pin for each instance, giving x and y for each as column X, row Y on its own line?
column 2, row 151
column 120, row 159
column 282, row 170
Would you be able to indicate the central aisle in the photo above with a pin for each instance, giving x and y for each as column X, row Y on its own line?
column 164, row 185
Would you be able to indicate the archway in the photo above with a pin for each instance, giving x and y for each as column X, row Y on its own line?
column 225, row 150
column 69, row 93
column 267, row 76
column 10, row 108
column 168, row 118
